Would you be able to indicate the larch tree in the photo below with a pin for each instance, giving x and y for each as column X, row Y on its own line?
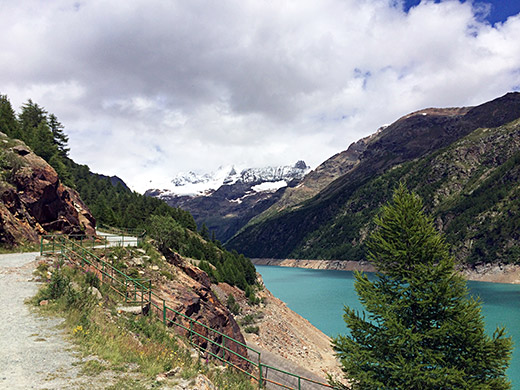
column 420, row 328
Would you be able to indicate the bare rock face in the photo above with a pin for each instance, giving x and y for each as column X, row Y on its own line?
column 34, row 201
column 190, row 294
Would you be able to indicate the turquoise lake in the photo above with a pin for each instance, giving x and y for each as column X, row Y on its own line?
column 319, row 296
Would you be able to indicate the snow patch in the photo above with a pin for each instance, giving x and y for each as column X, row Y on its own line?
column 268, row 179
column 269, row 186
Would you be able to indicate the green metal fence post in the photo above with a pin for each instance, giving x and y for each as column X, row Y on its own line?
column 299, row 383
column 260, row 379
column 142, row 295
column 191, row 331
column 224, row 350
column 150, row 292
column 164, row 311
column 41, row 246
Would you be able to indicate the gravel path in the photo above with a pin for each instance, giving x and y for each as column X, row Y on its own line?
column 33, row 351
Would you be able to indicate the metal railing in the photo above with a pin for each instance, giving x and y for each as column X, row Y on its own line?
column 207, row 340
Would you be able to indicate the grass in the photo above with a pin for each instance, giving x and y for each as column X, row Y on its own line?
column 121, row 342
column 21, row 248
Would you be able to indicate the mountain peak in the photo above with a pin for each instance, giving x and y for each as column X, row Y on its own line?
column 193, row 184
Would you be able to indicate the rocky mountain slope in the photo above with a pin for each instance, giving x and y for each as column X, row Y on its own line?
column 34, row 201
column 240, row 196
column 463, row 162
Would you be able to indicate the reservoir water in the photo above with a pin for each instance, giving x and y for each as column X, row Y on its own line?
column 319, row 296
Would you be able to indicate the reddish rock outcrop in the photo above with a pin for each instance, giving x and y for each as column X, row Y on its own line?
column 190, row 294
column 34, row 201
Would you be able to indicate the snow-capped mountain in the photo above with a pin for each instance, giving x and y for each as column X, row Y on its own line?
column 228, row 198
column 196, row 184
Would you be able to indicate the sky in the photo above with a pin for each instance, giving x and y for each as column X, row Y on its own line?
column 147, row 89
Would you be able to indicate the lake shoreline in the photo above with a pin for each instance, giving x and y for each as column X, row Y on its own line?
column 494, row 273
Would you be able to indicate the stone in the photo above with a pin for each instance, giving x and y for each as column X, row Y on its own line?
column 130, row 309
column 95, row 292
column 45, row 302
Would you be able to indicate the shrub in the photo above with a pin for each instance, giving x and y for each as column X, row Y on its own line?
column 232, row 304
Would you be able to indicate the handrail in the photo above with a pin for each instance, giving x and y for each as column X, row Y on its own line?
column 102, row 271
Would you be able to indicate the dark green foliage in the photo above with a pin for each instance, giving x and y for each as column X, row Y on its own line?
column 228, row 267
column 31, row 116
column 251, row 297
column 8, row 123
column 57, row 286
column 91, row 279
column 167, row 232
column 43, row 142
column 60, row 139
column 232, row 304
column 252, row 329
column 204, row 232
column 421, row 329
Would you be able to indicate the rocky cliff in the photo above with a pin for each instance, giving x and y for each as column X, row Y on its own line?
column 34, row 201
column 186, row 289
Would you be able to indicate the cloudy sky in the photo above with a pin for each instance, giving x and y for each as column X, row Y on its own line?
column 150, row 88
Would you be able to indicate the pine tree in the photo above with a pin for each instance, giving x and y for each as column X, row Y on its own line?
column 8, row 122
column 60, row 138
column 421, row 330
column 30, row 118
column 43, row 142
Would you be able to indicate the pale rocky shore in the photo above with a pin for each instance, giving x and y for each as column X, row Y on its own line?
column 496, row 273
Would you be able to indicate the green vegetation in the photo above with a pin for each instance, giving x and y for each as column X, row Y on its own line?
column 422, row 331
column 220, row 265
column 232, row 304
column 129, row 344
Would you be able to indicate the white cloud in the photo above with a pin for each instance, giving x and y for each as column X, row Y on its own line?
column 149, row 88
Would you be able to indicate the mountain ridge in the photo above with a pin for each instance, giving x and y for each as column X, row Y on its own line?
column 315, row 224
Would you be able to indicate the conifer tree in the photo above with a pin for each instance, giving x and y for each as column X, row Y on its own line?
column 60, row 138
column 8, row 123
column 30, row 118
column 43, row 142
column 421, row 330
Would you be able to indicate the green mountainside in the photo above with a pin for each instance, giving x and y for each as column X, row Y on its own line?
column 465, row 166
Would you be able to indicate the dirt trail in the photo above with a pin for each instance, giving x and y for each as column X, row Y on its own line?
column 34, row 353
